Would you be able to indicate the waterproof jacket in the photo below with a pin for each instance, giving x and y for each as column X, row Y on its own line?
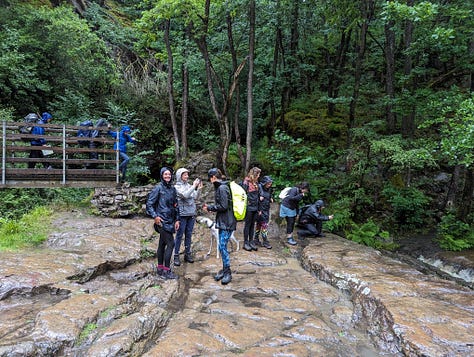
column 123, row 139
column 264, row 204
column 162, row 202
column 252, row 194
column 293, row 198
column 312, row 215
column 187, row 195
column 38, row 130
column 223, row 206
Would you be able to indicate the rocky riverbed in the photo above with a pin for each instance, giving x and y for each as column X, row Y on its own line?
column 90, row 290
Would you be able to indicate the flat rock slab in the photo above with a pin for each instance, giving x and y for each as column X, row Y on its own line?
column 428, row 316
column 90, row 290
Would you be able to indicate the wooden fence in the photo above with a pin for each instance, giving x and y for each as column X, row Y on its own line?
column 69, row 160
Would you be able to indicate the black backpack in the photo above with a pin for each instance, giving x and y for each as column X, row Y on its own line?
column 301, row 212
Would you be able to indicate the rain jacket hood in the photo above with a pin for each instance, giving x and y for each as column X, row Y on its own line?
column 179, row 173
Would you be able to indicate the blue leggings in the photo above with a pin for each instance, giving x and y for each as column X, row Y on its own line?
column 224, row 236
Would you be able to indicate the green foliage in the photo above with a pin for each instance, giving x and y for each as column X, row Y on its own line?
column 48, row 55
column 88, row 329
column 455, row 235
column 316, row 126
column 29, row 231
column 408, row 205
column 342, row 216
column 371, row 235
column 138, row 171
column 15, row 203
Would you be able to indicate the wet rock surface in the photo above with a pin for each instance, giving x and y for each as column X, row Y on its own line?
column 91, row 291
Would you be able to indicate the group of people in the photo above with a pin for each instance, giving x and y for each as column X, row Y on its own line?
column 173, row 209
column 124, row 137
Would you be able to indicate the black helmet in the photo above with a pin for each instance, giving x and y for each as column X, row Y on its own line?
column 212, row 172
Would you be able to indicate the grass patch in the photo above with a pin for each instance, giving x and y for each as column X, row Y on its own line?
column 29, row 231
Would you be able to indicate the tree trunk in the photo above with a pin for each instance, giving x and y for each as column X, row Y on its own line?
column 185, row 106
column 171, row 90
column 250, row 85
column 221, row 115
column 367, row 12
column 390, row 75
column 233, row 54
column 290, row 64
column 465, row 206
column 408, row 119
column 338, row 64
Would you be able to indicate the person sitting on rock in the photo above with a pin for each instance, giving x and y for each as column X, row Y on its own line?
column 311, row 221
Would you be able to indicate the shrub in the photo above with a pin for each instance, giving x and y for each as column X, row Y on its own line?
column 455, row 235
column 371, row 235
column 408, row 206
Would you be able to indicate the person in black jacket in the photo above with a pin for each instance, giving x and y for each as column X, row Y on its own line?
column 225, row 220
column 162, row 205
column 311, row 221
column 251, row 186
column 289, row 208
column 264, row 212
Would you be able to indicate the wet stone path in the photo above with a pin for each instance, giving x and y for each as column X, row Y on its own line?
column 91, row 291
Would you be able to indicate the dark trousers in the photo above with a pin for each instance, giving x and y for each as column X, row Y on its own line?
column 186, row 226
column 290, row 224
column 312, row 229
column 36, row 154
column 165, row 248
column 249, row 225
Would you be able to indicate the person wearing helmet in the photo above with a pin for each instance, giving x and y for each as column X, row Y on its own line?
column 225, row 220
column 124, row 137
column 40, row 141
column 311, row 221
column 263, row 217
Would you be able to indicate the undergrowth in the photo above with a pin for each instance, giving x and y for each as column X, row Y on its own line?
column 29, row 231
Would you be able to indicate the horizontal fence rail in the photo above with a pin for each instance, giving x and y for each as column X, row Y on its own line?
column 67, row 160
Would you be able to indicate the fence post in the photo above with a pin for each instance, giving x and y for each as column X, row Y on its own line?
column 64, row 154
column 4, row 149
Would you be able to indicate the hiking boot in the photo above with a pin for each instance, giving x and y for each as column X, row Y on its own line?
column 188, row 258
column 170, row 275
column 266, row 244
column 219, row 275
column 158, row 269
column 247, row 246
column 291, row 241
column 257, row 242
column 252, row 245
column 176, row 260
column 227, row 278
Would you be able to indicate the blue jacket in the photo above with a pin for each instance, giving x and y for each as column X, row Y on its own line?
column 163, row 202
column 38, row 130
column 124, row 138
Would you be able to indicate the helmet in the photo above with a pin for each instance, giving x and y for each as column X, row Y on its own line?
column 125, row 128
column 212, row 172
